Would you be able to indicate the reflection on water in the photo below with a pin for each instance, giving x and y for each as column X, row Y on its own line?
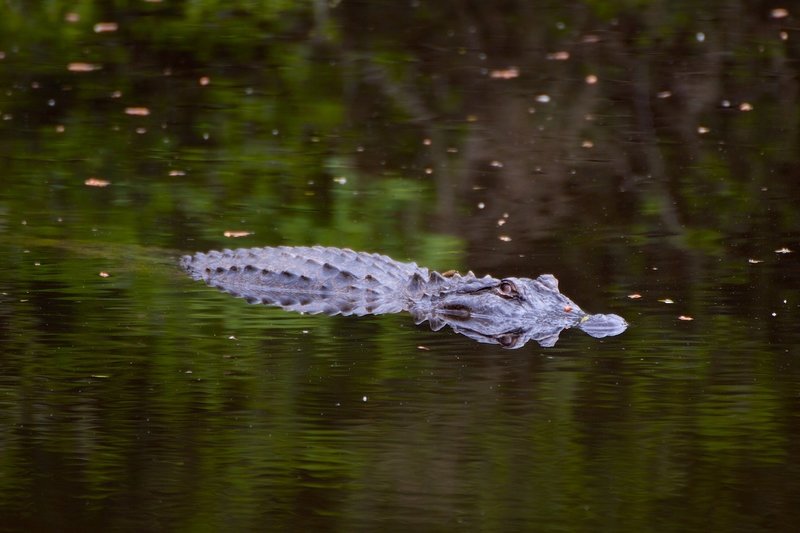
column 647, row 157
column 201, row 410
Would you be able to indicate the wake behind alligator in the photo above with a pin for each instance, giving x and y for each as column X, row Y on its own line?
column 508, row 311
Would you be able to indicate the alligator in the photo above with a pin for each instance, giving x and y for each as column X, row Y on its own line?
column 337, row 281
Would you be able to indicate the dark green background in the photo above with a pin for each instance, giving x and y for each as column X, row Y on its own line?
column 143, row 401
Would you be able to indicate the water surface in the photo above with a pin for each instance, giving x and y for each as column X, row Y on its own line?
column 647, row 158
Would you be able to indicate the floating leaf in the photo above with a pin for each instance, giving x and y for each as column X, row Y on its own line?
column 103, row 27
column 504, row 74
column 561, row 55
column 97, row 182
column 137, row 111
column 779, row 13
column 83, row 67
column 237, row 234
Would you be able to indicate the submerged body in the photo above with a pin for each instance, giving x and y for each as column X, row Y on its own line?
column 508, row 311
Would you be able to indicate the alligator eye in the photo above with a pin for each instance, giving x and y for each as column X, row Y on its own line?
column 507, row 340
column 507, row 289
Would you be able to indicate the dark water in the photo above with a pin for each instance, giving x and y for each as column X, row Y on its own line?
column 649, row 151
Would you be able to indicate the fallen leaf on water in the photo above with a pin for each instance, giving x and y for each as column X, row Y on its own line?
column 783, row 250
column 97, row 182
column 505, row 73
column 779, row 13
column 754, row 261
column 634, row 296
column 236, row 234
column 666, row 301
column 102, row 27
column 177, row 173
column 104, row 274
column 83, row 67
column 137, row 111
column 561, row 55
column 684, row 317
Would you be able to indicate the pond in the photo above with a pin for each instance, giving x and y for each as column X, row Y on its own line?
column 647, row 158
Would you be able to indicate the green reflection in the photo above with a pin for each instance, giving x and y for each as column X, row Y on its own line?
column 141, row 401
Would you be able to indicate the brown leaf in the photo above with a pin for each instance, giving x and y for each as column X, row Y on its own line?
column 103, row 27
column 504, row 73
column 137, row 111
column 83, row 67
column 97, row 182
column 561, row 55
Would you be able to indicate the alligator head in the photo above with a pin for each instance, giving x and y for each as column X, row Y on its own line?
column 512, row 311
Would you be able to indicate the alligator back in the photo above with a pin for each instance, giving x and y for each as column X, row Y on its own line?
column 308, row 279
